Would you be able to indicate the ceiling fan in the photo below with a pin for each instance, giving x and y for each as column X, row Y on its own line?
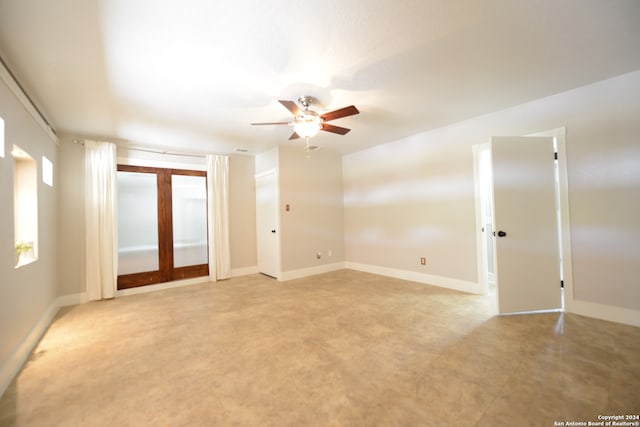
column 306, row 123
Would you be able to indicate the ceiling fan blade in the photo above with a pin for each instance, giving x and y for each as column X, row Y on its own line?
column 343, row 112
column 270, row 123
column 294, row 136
column 334, row 129
column 291, row 106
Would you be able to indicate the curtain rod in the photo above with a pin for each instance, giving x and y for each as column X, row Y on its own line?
column 148, row 150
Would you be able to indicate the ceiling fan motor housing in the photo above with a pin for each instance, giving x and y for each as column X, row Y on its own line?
column 306, row 101
column 308, row 116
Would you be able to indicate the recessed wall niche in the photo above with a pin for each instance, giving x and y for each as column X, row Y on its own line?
column 25, row 205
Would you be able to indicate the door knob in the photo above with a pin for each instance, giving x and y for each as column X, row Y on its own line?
column 501, row 233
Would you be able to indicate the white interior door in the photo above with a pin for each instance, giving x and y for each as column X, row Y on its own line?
column 267, row 224
column 526, row 229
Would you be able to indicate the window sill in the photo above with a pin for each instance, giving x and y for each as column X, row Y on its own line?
column 25, row 260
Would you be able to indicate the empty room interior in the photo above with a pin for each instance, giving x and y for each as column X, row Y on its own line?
column 403, row 213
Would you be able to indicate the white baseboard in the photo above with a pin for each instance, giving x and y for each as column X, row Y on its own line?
column 427, row 279
column 605, row 312
column 244, row 271
column 72, row 299
column 12, row 366
column 311, row 271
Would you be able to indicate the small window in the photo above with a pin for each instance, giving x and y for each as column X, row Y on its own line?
column 25, row 203
column 47, row 171
column 1, row 137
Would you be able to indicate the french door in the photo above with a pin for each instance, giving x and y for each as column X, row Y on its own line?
column 162, row 225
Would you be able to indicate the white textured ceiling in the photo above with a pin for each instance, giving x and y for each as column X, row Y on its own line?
column 190, row 75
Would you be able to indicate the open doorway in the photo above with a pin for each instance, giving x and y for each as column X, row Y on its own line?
column 485, row 185
column 501, row 251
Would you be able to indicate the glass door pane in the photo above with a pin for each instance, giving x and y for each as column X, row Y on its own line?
column 137, row 222
column 189, row 211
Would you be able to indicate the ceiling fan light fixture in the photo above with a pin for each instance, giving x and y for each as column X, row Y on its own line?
column 305, row 129
column 307, row 126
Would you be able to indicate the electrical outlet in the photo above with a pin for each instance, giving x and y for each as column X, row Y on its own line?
column 423, row 261
column 318, row 255
column 329, row 252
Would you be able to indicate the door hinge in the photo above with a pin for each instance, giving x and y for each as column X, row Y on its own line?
column 555, row 156
column 562, row 283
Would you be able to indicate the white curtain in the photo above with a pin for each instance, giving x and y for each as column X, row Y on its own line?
column 218, row 217
column 100, row 215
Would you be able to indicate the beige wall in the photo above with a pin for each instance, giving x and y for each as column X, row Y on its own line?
column 71, row 221
column 312, row 187
column 412, row 199
column 242, row 212
column 604, row 192
column 28, row 293
column 415, row 197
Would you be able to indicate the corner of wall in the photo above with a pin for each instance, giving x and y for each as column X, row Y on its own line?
column 244, row 271
column 311, row 271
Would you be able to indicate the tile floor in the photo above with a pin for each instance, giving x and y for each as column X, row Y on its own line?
column 339, row 349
